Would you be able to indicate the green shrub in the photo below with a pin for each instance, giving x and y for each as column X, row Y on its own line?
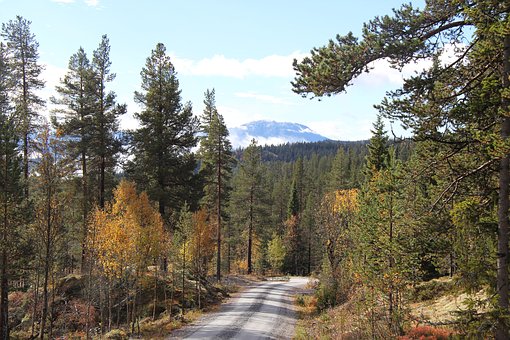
column 326, row 296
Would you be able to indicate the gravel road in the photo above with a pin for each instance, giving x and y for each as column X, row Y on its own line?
column 264, row 310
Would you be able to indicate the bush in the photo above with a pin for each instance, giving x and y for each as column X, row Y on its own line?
column 72, row 315
column 427, row 333
column 116, row 334
column 432, row 289
column 326, row 296
column 300, row 300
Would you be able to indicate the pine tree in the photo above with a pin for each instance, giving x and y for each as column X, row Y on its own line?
column 250, row 193
column 25, row 74
column 163, row 164
column 294, row 207
column 293, row 232
column 386, row 237
column 106, row 145
column 209, row 111
column 74, row 120
column 217, row 162
column 11, row 192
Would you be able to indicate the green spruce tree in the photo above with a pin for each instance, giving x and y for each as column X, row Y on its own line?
column 378, row 153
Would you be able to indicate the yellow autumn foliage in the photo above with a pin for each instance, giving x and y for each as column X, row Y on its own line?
column 203, row 239
column 128, row 234
column 346, row 201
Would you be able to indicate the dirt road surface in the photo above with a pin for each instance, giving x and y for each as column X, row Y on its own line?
column 263, row 311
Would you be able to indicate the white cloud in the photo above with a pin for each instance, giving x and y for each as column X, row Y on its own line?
column 235, row 117
column 51, row 75
column 342, row 129
column 92, row 3
column 382, row 73
column 128, row 121
column 219, row 65
column 350, row 128
column 264, row 98
column 63, row 1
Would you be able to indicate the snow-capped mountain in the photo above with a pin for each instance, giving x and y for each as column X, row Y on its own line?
column 271, row 132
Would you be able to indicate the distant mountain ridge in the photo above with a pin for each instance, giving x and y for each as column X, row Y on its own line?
column 272, row 133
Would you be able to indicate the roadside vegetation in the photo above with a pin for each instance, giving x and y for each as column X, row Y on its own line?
column 126, row 233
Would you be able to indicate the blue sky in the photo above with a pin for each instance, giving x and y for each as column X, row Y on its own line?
column 243, row 49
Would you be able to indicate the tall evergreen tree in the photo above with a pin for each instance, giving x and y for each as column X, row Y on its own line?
column 163, row 164
column 106, row 144
column 74, row 120
column 209, row 111
column 378, row 153
column 293, row 207
column 250, row 193
column 22, row 49
column 293, row 230
column 11, row 191
column 338, row 176
column 217, row 162
column 297, row 191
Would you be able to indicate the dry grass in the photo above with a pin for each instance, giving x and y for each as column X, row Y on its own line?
column 160, row 328
column 438, row 302
column 444, row 302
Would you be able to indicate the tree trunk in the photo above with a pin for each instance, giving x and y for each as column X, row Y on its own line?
column 52, row 306
column 4, row 278
column 102, row 179
column 199, row 269
column 4, row 301
column 25, row 160
column 309, row 248
column 36, row 297
column 89, row 285
column 218, row 212
column 85, row 210
column 109, row 288
column 172, row 294
column 503, row 223
column 183, row 274
column 26, row 121
column 391, row 265
column 155, row 298
column 250, row 233
column 47, row 262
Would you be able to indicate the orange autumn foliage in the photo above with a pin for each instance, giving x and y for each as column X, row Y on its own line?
column 128, row 233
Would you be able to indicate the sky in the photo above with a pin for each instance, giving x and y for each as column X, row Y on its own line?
column 242, row 49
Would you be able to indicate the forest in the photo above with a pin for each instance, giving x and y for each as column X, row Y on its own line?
column 103, row 229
